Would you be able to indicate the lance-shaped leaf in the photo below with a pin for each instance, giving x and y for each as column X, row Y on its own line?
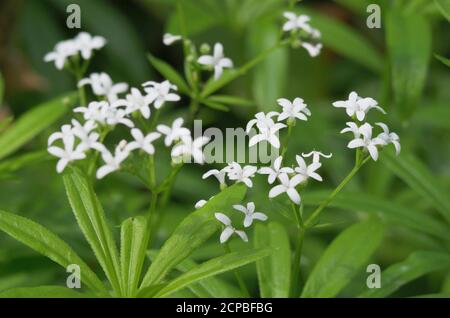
column 170, row 74
column 43, row 292
column 91, row 219
column 48, row 244
column 342, row 260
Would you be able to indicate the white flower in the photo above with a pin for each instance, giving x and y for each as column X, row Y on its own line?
column 66, row 131
column 261, row 120
column 367, row 142
column 169, row 39
column 112, row 163
column 136, row 101
column 250, row 213
column 353, row 128
column 313, row 50
column 93, row 112
column 296, row 109
column 307, row 171
column 241, row 174
column 62, row 51
column 190, row 148
column 287, row 185
column 142, row 142
column 276, row 170
column 200, row 204
column 389, row 137
column 160, row 93
column 173, row 133
column 219, row 174
column 102, row 85
column 66, row 154
column 269, row 134
column 316, row 155
column 88, row 139
column 296, row 22
column 86, row 43
column 218, row 61
column 358, row 106
column 229, row 230
column 113, row 116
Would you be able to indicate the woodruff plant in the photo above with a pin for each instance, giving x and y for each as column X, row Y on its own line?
column 83, row 156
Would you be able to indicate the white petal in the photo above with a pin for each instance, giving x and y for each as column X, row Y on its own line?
column 225, row 235
column 293, row 195
column 223, row 218
column 259, row 216
column 248, row 220
column 277, row 190
column 242, row 235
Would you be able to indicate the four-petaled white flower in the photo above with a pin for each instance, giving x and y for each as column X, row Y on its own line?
column 67, row 154
column 218, row 61
column 296, row 22
column 86, row 43
column 66, row 131
column 160, row 93
column 169, row 39
column 102, row 85
column 275, row 171
column 142, row 142
column 135, row 101
column 174, row 133
column 62, row 51
column 358, row 106
column 190, row 148
column 219, row 174
column 367, row 142
column 287, row 185
column 261, row 120
column 307, row 171
column 112, row 163
column 250, row 213
column 269, row 134
column 291, row 110
column 389, row 137
column 88, row 139
column 353, row 128
column 313, row 50
column 241, row 174
column 229, row 229
column 316, row 155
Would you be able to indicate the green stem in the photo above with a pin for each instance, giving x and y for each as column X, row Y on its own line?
column 288, row 137
column 323, row 205
column 166, row 186
column 238, row 276
column 295, row 290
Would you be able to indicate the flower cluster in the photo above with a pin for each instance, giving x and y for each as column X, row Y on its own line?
column 303, row 33
column 110, row 109
column 82, row 45
column 357, row 108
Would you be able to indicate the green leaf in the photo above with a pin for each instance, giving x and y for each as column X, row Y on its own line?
column 231, row 100
column 170, row 74
column 386, row 209
column 134, row 240
column 211, row 287
column 213, row 267
column 270, row 75
column 215, row 105
column 444, row 60
column 194, row 230
column 417, row 176
column 48, row 244
column 342, row 260
column 12, row 164
column 32, row 123
column 92, row 221
column 408, row 39
column 274, row 272
column 42, row 292
column 346, row 41
column 444, row 7
column 416, row 265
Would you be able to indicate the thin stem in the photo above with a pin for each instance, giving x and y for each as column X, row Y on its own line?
column 338, row 189
column 151, row 172
column 295, row 290
column 238, row 276
column 288, row 137
column 167, row 184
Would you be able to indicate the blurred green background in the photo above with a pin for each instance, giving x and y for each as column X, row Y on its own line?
column 395, row 64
